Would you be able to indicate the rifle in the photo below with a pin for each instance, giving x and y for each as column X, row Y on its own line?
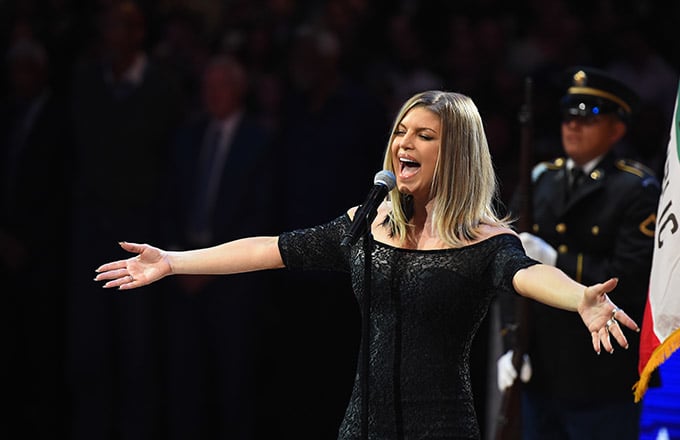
column 509, row 419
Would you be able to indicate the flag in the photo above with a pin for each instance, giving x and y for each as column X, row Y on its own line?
column 660, row 335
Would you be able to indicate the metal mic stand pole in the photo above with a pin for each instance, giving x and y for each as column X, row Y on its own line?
column 365, row 330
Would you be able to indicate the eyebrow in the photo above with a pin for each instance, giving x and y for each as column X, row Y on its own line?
column 420, row 129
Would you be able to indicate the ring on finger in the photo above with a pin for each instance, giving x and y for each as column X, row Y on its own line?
column 616, row 309
column 132, row 279
column 610, row 322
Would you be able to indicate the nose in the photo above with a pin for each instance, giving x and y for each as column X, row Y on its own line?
column 406, row 141
column 570, row 122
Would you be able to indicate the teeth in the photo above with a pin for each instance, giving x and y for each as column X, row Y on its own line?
column 407, row 161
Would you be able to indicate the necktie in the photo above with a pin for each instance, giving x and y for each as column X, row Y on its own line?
column 576, row 178
column 200, row 225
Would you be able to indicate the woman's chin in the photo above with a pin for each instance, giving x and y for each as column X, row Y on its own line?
column 404, row 189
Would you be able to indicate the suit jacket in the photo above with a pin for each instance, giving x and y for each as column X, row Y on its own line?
column 220, row 326
column 244, row 199
column 35, row 183
column 604, row 229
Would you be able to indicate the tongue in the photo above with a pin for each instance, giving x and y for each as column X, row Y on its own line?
column 408, row 171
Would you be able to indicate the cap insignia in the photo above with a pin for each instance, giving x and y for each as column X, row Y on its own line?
column 580, row 78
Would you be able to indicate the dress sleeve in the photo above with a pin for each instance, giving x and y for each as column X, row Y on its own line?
column 316, row 248
column 507, row 260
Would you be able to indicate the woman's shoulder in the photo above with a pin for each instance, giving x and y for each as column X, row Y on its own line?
column 383, row 209
column 486, row 231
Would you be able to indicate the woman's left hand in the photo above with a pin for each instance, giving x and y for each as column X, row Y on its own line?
column 603, row 318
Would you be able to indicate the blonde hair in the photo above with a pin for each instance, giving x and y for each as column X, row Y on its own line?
column 464, row 186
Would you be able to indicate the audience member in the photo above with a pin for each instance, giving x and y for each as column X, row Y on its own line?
column 35, row 155
column 125, row 107
column 221, row 189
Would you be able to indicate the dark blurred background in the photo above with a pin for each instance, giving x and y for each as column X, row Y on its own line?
column 104, row 107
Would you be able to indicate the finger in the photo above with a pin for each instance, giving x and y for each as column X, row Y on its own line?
column 128, row 283
column 610, row 284
column 597, row 293
column 616, row 331
column 606, row 341
column 116, row 282
column 596, row 341
column 607, row 286
column 132, row 247
column 123, row 282
column 111, row 266
column 601, row 289
column 623, row 319
column 112, row 274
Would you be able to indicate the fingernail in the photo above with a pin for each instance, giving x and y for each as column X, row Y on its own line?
column 626, row 347
column 598, row 353
column 611, row 352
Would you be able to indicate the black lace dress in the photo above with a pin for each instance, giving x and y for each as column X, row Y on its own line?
column 425, row 309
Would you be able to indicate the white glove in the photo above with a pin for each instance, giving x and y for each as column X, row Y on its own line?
column 507, row 372
column 538, row 249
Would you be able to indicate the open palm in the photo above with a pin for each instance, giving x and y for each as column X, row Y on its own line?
column 149, row 265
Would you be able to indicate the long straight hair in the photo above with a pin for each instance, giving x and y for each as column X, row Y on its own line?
column 464, row 186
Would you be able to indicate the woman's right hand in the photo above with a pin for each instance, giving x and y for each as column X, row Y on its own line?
column 149, row 265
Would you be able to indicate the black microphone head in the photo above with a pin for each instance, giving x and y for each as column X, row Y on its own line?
column 385, row 178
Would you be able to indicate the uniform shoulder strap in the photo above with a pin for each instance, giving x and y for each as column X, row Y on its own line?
column 542, row 167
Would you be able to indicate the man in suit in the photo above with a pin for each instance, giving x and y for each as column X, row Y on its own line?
column 221, row 189
column 593, row 217
column 124, row 105
column 35, row 154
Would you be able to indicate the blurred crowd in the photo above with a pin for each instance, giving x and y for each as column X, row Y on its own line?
column 105, row 108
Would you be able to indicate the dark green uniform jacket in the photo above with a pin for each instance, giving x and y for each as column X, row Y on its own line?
column 603, row 229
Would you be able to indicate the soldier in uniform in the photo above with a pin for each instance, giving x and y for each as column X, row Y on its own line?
column 593, row 217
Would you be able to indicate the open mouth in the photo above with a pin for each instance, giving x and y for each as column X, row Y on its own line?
column 408, row 167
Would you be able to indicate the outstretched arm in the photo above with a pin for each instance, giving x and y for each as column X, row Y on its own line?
column 553, row 287
column 151, row 263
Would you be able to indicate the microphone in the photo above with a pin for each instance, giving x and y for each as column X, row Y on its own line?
column 383, row 182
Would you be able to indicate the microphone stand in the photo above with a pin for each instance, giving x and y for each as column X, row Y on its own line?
column 365, row 330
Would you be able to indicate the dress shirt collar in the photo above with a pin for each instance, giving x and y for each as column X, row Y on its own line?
column 134, row 74
column 588, row 167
